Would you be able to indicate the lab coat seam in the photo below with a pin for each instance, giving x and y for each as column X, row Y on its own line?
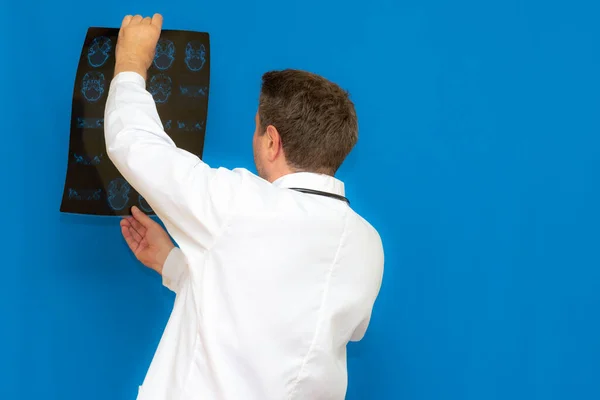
column 321, row 308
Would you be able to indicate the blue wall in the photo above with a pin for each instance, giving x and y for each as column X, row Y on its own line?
column 478, row 161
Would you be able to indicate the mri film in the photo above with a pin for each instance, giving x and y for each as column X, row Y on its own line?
column 178, row 80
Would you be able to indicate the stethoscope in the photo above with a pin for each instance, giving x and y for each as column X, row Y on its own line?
column 320, row 193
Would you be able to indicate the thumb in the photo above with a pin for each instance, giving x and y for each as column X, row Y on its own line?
column 142, row 218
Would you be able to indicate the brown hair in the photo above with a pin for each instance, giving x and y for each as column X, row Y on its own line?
column 314, row 117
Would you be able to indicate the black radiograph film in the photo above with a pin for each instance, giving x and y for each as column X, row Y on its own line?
column 178, row 81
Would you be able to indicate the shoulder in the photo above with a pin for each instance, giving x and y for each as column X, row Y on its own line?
column 252, row 193
column 238, row 179
column 366, row 248
column 241, row 176
column 366, row 231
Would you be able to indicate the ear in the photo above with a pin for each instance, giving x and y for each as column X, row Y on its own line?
column 274, row 145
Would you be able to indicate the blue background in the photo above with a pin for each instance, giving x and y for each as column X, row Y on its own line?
column 478, row 162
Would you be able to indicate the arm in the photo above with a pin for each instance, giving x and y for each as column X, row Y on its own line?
column 185, row 193
column 174, row 270
column 182, row 190
column 153, row 247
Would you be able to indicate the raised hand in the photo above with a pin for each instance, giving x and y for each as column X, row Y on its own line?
column 148, row 241
column 136, row 43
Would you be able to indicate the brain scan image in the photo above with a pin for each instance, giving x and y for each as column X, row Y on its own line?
column 118, row 193
column 99, row 51
column 193, row 90
column 198, row 126
column 160, row 88
column 92, row 86
column 144, row 204
column 90, row 123
column 85, row 194
column 85, row 160
column 73, row 195
column 190, row 126
column 195, row 55
column 164, row 54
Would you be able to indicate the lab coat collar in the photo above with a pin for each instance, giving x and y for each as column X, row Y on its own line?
column 311, row 180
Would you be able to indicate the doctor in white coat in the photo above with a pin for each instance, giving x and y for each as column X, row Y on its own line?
column 274, row 273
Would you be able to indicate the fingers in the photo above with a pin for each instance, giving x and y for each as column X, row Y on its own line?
column 126, row 20
column 126, row 230
column 132, row 223
column 136, row 234
column 135, row 224
column 142, row 218
column 129, row 239
column 157, row 20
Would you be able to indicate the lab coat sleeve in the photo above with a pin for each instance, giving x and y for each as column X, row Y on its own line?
column 184, row 192
column 372, row 293
column 174, row 270
column 361, row 329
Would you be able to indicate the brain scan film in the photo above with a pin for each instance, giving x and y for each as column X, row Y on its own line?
column 160, row 87
column 99, row 51
column 178, row 81
column 195, row 55
column 144, row 204
column 164, row 54
column 92, row 86
column 118, row 193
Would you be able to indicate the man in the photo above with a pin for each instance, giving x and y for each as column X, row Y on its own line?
column 274, row 273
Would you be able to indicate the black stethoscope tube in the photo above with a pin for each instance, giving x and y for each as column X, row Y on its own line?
column 320, row 193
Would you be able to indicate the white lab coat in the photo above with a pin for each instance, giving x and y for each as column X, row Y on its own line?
column 271, row 284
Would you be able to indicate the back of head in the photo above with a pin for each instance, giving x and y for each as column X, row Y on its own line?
column 315, row 118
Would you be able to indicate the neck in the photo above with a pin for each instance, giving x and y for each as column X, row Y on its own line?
column 273, row 176
column 277, row 170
